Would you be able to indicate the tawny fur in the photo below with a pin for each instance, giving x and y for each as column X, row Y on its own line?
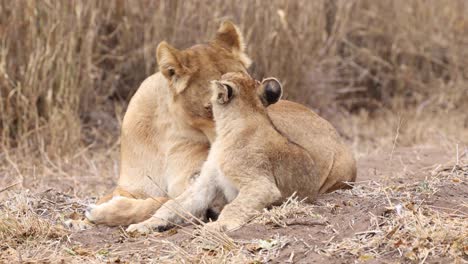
column 168, row 127
column 251, row 161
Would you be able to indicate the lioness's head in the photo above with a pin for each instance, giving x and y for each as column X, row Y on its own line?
column 190, row 71
column 239, row 91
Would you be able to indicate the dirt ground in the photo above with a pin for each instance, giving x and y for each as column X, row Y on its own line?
column 409, row 205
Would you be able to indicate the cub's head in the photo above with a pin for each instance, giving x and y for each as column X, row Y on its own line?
column 239, row 91
column 190, row 71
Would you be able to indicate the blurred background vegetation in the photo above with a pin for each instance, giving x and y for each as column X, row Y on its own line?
column 69, row 68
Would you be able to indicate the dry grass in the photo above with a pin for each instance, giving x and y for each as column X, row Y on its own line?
column 409, row 227
column 368, row 133
column 289, row 213
column 26, row 235
column 415, row 234
column 19, row 224
column 32, row 229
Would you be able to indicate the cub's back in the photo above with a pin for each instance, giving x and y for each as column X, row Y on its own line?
column 294, row 171
column 333, row 159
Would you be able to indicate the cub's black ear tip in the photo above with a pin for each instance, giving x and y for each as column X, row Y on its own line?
column 273, row 90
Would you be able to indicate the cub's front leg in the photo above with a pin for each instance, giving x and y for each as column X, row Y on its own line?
column 192, row 202
column 253, row 196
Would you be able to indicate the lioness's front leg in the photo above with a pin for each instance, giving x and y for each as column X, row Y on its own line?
column 192, row 202
column 252, row 198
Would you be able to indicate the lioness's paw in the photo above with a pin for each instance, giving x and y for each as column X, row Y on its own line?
column 91, row 214
column 214, row 227
column 148, row 226
column 100, row 213
column 222, row 226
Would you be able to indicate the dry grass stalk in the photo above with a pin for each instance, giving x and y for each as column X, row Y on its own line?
column 292, row 209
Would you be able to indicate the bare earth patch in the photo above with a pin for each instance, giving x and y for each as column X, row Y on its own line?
column 407, row 206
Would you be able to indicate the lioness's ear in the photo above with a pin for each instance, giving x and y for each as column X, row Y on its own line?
column 230, row 37
column 168, row 60
column 223, row 92
column 270, row 91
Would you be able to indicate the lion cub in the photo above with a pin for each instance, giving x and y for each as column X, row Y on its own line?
column 254, row 160
column 250, row 162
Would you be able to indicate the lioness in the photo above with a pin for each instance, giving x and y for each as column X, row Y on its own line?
column 168, row 127
column 250, row 161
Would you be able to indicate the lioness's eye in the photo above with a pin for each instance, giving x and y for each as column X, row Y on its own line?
column 171, row 72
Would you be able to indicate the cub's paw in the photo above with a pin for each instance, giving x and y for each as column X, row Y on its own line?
column 148, row 226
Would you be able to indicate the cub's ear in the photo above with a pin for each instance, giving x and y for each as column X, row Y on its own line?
column 222, row 91
column 270, row 91
column 168, row 60
column 230, row 37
